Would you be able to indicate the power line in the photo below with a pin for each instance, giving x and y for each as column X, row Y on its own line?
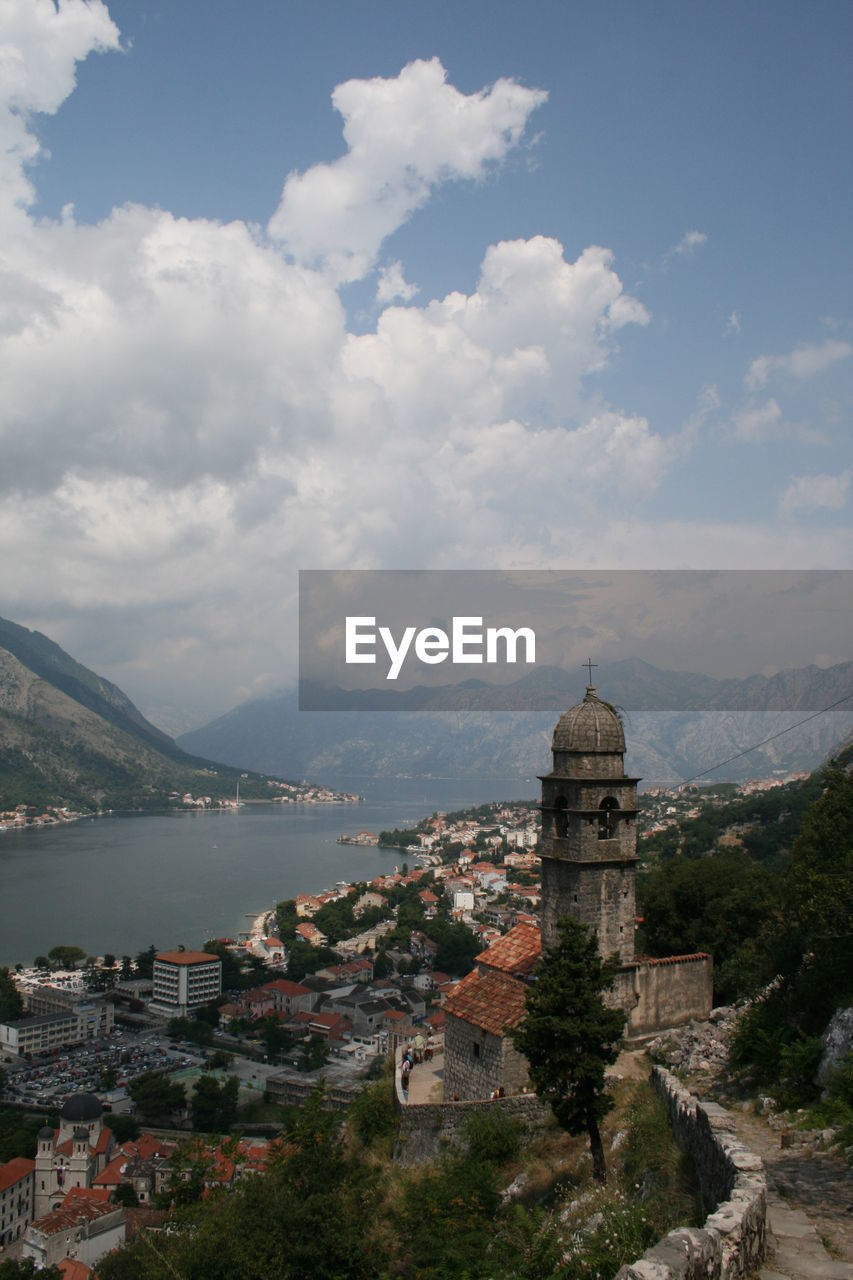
column 764, row 741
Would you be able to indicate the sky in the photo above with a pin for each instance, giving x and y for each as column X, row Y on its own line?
column 384, row 285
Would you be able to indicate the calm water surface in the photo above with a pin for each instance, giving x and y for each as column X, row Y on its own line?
column 119, row 883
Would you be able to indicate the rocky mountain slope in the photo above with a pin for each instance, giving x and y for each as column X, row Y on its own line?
column 70, row 738
column 705, row 722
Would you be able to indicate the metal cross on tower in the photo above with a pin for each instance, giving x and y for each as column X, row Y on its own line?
column 589, row 664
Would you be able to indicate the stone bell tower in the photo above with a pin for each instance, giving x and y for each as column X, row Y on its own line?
column 589, row 829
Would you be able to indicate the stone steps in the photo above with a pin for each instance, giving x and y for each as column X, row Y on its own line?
column 795, row 1251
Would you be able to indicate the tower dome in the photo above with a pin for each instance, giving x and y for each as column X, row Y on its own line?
column 81, row 1108
column 592, row 726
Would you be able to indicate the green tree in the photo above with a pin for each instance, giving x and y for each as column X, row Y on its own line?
column 691, row 905
column 11, row 1005
column 213, row 1106
column 197, row 1032
column 274, row 1035
column 569, row 1035
column 12, row 1270
column 124, row 1127
column 156, row 1096
column 66, row 957
column 145, row 962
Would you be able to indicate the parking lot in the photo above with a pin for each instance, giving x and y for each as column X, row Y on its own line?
column 102, row 1066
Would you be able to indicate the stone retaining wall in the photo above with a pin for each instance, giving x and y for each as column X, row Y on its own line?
column 731, row 1178
column 425, row 1129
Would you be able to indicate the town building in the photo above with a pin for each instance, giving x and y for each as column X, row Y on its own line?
column 72, row 1155
column 83, row 1230
column 185, row 980
column 17, row 1193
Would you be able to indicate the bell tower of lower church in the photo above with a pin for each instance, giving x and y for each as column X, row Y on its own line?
column 589, row 829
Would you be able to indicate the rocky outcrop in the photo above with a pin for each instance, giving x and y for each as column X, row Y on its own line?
column 837, row 1043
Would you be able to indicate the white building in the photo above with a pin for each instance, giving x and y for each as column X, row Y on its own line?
column 17, row 1188
column 185, row 980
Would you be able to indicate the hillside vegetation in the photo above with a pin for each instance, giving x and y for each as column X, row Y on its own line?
column 776, row 913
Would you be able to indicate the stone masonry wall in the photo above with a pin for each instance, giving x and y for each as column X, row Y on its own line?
column 466, row 1074
column 731, row 1178
column 659, row 994
column 427, row 1129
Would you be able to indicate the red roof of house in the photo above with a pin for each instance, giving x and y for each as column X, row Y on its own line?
column 73, row 1269
column 112, row 1175
column 85, row 1195
column 14, row 1170
column 64, row 1219
column 286, row 987
column 516, row 952
column 491, row 1000
column 186, row 957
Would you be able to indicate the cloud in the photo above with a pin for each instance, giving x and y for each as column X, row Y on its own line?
column 758, row 423
column 687, row 245
column 393, row 285
column 39, row 52
column 732, row 324
column 801, row 363
column 404, row 136
column 188, row 417
column 815, row 493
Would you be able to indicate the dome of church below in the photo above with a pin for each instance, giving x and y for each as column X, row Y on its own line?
column 81, row 1106
column 591, row 726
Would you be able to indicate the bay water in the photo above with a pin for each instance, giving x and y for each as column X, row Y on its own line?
column 120, row 882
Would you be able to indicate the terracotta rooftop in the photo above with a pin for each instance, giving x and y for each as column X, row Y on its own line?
column 516, row 952
column 14, row 1170
column 491, row 1001
column 186, row 957
column 74, row 1269
column 286, row 987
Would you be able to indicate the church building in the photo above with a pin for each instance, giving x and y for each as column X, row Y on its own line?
column 589, row 862
column 72, row 1155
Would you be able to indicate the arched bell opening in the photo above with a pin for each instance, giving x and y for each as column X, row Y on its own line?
column 608, row 818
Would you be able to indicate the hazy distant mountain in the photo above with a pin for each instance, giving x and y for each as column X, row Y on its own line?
column 706, row 721
column 70, row 737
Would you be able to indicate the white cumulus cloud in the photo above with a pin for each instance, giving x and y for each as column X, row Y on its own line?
column 404, row 136
column 393, row 285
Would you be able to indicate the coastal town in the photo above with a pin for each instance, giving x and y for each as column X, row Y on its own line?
column 319, row 994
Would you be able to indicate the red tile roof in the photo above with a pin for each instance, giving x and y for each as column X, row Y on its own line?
column 72, row 1269
column 491, row 1000
column 517, row 952
column 85, row 1195
column 66, row 1219
column 286, row 987
column 14, row 1170
column 186, row 957
column 112, row 1175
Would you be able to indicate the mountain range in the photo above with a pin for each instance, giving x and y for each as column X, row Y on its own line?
column 69, row 737
column 677, row 724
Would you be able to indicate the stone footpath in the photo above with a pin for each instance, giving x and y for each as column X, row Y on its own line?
column 809, row 1191
column 809, row 1205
